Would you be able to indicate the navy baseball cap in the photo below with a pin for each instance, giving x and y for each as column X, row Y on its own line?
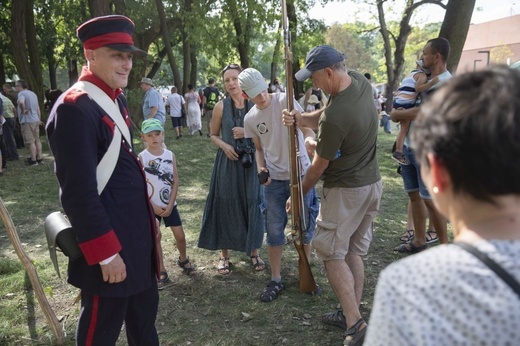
column 109, row 31
column 318, row 58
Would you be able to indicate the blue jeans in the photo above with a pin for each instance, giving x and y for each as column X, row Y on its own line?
column 412, row 175
column 275, row 196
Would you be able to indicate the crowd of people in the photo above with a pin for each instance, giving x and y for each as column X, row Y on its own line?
column 444, row 121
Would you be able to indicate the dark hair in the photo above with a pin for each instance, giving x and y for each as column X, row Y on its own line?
column 440, row 45
column 22, row 83
column 190, row 86
column 472, row 124
column 211, row 80
column 367, row 75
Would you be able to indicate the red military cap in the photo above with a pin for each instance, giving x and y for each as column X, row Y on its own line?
column 109, row 31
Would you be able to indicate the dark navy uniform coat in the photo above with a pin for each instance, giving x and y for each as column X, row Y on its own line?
column 120, row 220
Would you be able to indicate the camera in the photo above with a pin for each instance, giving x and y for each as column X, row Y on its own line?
column 245, row 155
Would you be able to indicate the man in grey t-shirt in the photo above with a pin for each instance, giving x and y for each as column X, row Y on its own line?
column 30, row 121
column 153, row 104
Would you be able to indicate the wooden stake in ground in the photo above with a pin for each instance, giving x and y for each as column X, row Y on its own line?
column 33, row 275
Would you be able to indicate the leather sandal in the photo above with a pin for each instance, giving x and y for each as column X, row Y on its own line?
column 431, row 237
column 258, row 263
column 272, row 291
column 407, row 236
column 354, row 336
column 335, row 318
column 410, row 248
column 163, row 281
column 184, row 265
column 223, row 266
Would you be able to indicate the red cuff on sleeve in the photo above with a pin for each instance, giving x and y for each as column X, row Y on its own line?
column 101, row 248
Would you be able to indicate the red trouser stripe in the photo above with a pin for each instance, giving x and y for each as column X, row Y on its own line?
column 93, row 320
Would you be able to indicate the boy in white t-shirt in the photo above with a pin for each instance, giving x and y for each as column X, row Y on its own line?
column 162, row 179
column 264, row 124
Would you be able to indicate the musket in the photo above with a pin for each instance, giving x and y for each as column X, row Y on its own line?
column 307, row 283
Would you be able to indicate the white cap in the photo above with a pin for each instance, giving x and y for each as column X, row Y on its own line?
column 252, row 82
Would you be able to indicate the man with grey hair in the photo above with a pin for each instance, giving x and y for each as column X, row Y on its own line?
column 346, row 160
column 30, row 120
column 153, row 104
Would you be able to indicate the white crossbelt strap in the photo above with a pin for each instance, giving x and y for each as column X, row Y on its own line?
column 108, row 163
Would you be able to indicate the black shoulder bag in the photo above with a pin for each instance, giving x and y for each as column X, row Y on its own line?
column 494, row 266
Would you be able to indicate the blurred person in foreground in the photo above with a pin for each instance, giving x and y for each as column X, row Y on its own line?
column 446, row 295
column 117, row 273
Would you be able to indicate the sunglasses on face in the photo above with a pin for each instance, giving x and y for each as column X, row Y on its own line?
column 231, row 67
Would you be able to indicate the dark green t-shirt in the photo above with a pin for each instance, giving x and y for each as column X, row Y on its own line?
column 347, row 136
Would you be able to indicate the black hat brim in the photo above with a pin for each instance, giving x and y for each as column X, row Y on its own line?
column 127, row 48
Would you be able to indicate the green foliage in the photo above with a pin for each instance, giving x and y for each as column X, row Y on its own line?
column 347, row 40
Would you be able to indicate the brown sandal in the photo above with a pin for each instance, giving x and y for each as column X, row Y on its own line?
column 258, row 263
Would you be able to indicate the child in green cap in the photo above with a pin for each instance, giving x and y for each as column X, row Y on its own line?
column 160, row 167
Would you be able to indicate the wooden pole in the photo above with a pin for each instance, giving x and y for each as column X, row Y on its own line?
column 33, row 275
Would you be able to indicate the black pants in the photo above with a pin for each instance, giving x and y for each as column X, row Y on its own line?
column 18, row 138
column 3, row 151
column 10, row 145
column 101, row 319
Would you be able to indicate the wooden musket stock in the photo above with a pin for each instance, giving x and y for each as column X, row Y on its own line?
column 307, row 283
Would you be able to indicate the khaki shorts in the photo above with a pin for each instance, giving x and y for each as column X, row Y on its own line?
column 30, row 132
column 344, row 223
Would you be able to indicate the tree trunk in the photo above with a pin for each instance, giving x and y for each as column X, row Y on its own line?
column 390, row 87
column 157, row 63
column 186, row 46
column 72, row 69
column 23, row 38
column 394, row 68
column 166, row 35
column 119, row 7
column 186, row 61
column 99, row 8
column 241, row 32
column 2, row 68
column 455, row 28
column 276, row 52
column 293, row 23
column 51, row 64
column 194, row 65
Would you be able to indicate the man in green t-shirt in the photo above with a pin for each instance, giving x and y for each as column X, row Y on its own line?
column 346, row 160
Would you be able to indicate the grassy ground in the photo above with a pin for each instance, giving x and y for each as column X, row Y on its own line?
column 204, row 309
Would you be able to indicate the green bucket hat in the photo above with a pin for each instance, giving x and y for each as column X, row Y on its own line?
column 150, row 125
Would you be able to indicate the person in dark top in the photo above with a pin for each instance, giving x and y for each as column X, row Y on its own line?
column 117, row 273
